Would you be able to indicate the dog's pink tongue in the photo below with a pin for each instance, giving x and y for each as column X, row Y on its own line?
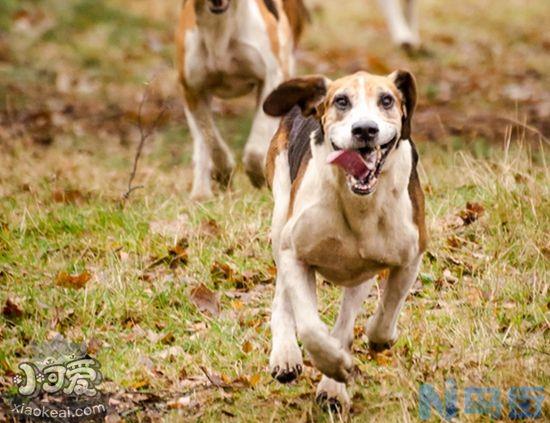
column 349, row 160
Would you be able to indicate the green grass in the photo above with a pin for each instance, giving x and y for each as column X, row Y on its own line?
column 61, row 211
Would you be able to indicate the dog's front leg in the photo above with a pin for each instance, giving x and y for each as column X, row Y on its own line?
column 327, row 352
column 210, row 153
column 285, row 361
column 381, row 328
column 330, row 392
column 263, row 128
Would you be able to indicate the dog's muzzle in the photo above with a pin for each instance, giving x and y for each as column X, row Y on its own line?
column 218, row 6
column 362, row 165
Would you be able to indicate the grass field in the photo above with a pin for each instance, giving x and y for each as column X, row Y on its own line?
column 72, row 78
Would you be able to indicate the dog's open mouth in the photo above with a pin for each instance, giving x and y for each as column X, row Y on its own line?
column 362, row 166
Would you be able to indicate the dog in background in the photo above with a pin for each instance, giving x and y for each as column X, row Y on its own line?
column 347, row 205
column 228, row 48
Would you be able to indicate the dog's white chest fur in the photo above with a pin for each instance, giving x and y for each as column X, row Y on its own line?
column 228, row 58
column 348, row 238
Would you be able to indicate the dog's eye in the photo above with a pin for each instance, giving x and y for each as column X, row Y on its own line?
column 386, row 101
column 342, row 102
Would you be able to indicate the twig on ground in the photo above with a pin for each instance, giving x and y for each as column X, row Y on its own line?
column 144, row 136
column 212, row 381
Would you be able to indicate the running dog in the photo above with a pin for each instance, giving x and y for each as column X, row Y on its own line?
column 347, row 205
column 228, row 48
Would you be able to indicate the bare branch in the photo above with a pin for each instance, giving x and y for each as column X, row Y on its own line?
column 144, row 136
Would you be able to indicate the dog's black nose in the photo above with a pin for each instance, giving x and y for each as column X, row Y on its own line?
column 365, row 131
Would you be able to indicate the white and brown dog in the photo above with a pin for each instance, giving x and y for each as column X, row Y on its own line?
column 227, row 48
column 348, row 204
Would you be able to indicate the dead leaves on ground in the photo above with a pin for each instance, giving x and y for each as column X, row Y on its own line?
column 177, row 256
column 242, row 280
column 12, row 309
column 69, row 196
column 77, row 281
column 207, row 301
column 470, row 214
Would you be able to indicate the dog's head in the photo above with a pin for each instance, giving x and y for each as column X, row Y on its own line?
column 363, row 117
column 218, row 7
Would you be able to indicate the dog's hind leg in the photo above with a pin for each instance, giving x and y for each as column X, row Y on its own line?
column 327, row 352
column 400, row 29
column 411, row 15
column 211, row 156
column 381, row 328
column 330, row 393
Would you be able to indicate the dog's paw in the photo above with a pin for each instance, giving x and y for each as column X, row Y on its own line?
column 201, row 194
column 254, row 167
column 379, row 340
column 338, row 367
column 373, row 346
column 223, row 177
column 408, row 41
column 285, row 363
column 332, row 396
column 329, row 357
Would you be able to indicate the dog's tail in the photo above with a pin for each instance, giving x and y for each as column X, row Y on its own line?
column 298, row 16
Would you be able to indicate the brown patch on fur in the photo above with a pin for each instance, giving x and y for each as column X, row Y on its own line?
column 279, row 143
column 297, row 15
column 271, row 27
column 294, row 137
column 298, row 181
column 417, row 199
column 305, row 92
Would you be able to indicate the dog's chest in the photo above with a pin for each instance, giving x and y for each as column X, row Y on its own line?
column 349, row 250
column 225, row 67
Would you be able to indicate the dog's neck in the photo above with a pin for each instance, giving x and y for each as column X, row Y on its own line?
column 392, row 183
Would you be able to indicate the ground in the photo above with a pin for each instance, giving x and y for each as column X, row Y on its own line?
column 173, row 298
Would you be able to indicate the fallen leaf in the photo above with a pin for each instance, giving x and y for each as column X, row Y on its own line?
column 471, row 213
column 12, row 309
column 210, row 228
column 205, row 299
column 455, row 242
column 66, row 280
column 94, row 345
column 254, row 379
column 69, row 196
column 222, row 271
column 178, row 254
column 181, row 402
column 247, row 347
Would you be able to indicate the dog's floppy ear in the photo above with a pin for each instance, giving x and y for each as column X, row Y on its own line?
column 306, row 92
column 406, row 84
